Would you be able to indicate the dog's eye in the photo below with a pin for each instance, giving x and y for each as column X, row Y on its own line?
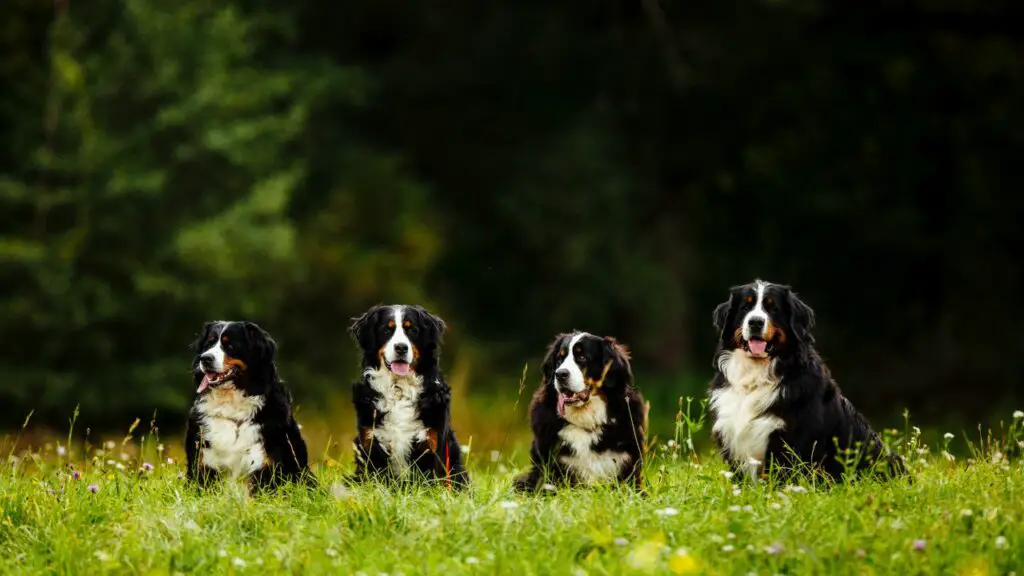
column 412, row 330
column 581, row 358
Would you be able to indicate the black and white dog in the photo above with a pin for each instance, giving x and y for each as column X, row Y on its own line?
column 589, row 423
column 241, row 423
column 774, row 402
column 402, row 402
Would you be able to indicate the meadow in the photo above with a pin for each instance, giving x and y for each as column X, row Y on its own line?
column 122, row 507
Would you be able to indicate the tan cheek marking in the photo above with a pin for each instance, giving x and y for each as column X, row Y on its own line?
column 432, row 439
column 737, row 337
column 366, row 437
column 415, row 353
column 231, row 361
column 596, row 384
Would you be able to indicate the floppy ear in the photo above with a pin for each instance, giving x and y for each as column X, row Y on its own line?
column 197, row 344
column 721, row 314
column 802, row 318
column 359, row 329
column 618, row 355
column 264, row 347
column 547, row 369
column 435, row 322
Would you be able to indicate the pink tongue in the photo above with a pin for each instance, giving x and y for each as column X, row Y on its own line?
column 561, row 405
column 757, row 347
column 400, row 368
column 204, row 384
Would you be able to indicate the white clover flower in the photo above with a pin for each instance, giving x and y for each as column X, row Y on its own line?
column 1002, row 543
column 472, row 560
column 238, row 562
column 775, row 506
column 464, row 448
column 948, row 436
column 61, row 450
column 331, row 552
column 223, row 553
column 726, row 473
column 736, row 491
column 728, row 548
column 730, row 536
column 666, row 512
column 795, row 489
column 508, row 505
column 734, row 508
column 101, row 556
column 1017, row 415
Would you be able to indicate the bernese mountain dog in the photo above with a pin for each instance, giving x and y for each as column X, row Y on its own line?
column 402, row 402
column 241, row 422
column 775, row 406
column 589, row 422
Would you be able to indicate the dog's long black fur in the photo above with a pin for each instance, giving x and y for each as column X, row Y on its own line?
column 821, row 431
column 605, row 369
column 239, row 390
column 383, row 408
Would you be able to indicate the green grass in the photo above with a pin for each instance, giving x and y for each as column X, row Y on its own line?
column 961, row 515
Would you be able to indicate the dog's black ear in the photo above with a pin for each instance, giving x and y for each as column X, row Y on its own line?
column 362, row 327
column 264, row 349
column 547, row 369
column 618, row 354
column 801, row 317
column 720, row 317
column 198, row 345
column 434, row 322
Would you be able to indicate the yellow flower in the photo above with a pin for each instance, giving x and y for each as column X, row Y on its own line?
column 683, row 564
column 975, row 567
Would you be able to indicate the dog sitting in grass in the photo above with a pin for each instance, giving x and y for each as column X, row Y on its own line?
column 241, row 422
column 775, row 405
column 589, row 423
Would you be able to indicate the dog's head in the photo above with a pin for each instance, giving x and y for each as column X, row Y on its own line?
column 579, row 365
column 764, row 320
column 239, row 354
column 402, row 339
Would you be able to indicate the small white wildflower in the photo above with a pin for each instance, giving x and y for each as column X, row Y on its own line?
column 472, row 560
column 124, row 456
column 238, row 562
column 620, row 541
column 495, row 455
column 775, row 506
column 111, row 462
column 736, row 491
column 734, row 508
column 61, row 450
column 109, row 445
column 464, row 448
column 190, row 525
column 795, row 489
column 728, row 548
column 922, row 451
column 966, row 512
column 716, row 538
column 1002, row 543
column 170, row 461
column 671, row 443
column 726, row 473
column 160, row 448
column 331, row 552
column 917, row 431
column 507, row 505
column 223, row 553
column 997, row 457
column 666, row 512
column 730, row 536
column 748, row 508
column 1017, row 414
column 548, row 487
column 119, row 466
column 948, row 436
column 101, row 556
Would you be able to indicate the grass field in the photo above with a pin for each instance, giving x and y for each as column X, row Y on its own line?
column 124, row 509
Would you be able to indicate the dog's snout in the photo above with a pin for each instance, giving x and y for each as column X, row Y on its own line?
column 756, row 325
column 401, row 348
column 206, row 361
column 562, row 375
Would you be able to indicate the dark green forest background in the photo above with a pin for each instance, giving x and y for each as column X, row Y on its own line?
column 521, row 168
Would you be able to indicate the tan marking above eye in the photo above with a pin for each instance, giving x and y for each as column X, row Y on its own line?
column 407, row 324
column 768, row 300
column 223, row 338
column 750, row 299
column 391, row 323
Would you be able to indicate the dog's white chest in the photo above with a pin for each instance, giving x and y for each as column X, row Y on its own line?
column 580, row 434
column 740, row 409
column 400, row 426
column 233, row 444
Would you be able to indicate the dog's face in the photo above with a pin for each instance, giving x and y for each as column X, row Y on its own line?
column 402, row 339
column 579, row 365
column 763, row 319
column 231, row 353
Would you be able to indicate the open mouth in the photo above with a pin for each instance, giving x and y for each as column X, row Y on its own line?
column 757, row 347
column 399, row 367
column 571, row 399
column 214, row 379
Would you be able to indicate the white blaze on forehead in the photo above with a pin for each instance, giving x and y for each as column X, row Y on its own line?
column 575, row 383
column 217, row 350
column 399, row 337
column 758, row 311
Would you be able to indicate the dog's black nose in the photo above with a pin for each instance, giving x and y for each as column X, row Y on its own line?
column 756, row 326
column 562, row 374
column 206, row 361
column 401, row 348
